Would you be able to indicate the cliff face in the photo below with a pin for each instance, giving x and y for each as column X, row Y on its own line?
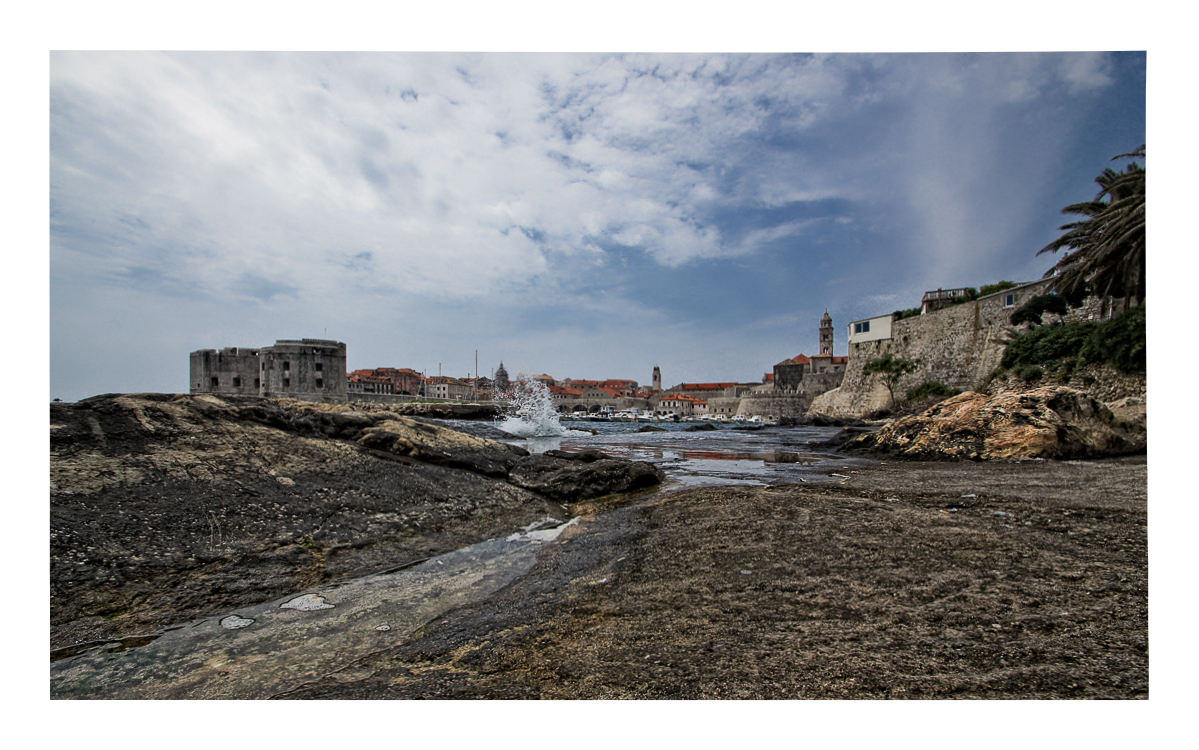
column 165, row 508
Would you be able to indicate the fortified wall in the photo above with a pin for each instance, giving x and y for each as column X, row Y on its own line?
column 960, row 346
column 790, row 402
column 307, row 369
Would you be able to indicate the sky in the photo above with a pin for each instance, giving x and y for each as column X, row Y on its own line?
column 584, row 215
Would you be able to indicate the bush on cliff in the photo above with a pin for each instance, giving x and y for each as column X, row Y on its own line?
column 1119, row 342
column 998, row 286
column 931, row 389
column 1031, row 311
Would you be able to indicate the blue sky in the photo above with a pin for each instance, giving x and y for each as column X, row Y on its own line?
column 582, row 215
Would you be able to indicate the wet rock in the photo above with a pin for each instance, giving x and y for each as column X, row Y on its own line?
column 818, row 420
column 705, row 427
column 651, row 428
column 1046, row 422
column 841, row 438
column 589, row 455
column 570, row 479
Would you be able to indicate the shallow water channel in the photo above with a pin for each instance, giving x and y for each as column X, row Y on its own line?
column 726, row 455
column 269, row 649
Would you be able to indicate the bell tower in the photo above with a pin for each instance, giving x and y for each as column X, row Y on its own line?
column 657, row 378
column 826, row 335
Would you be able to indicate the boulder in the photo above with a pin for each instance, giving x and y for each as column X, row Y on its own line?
column 705, row 427
column 569, row 479
column 433, row 444
column 1045, row 422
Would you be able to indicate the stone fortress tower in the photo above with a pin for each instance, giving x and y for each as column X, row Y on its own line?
column 308, row 369
column 657, row 380
column 826, row 335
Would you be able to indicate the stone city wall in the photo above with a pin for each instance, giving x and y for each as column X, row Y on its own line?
column 959, row 346
column 790, row 402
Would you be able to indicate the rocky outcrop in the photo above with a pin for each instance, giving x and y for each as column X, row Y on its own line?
column 1101, row 381
column 569, row 477
column 1046, row 422
column 166, row 508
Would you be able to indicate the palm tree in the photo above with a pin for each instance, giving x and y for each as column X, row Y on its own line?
column 1109, row 242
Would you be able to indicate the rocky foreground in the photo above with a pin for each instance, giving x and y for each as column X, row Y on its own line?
column 167, row 508
column 943, row 579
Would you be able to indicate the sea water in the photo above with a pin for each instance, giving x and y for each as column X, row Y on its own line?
column 729, row 454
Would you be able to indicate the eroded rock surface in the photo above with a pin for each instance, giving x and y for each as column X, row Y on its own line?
column 1046, row 422
column 166, row 508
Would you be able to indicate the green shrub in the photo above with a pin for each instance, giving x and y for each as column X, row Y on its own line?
column 1119, row 342
column 1029, row 373
column 890, row 368
column 998, row 286
column 909, row 313
column 931, row 389
column 1031, row 311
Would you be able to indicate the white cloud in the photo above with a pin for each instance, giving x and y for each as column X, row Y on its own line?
column 365, row 187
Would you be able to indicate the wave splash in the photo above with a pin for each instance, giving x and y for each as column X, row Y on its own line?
column 532, row 413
